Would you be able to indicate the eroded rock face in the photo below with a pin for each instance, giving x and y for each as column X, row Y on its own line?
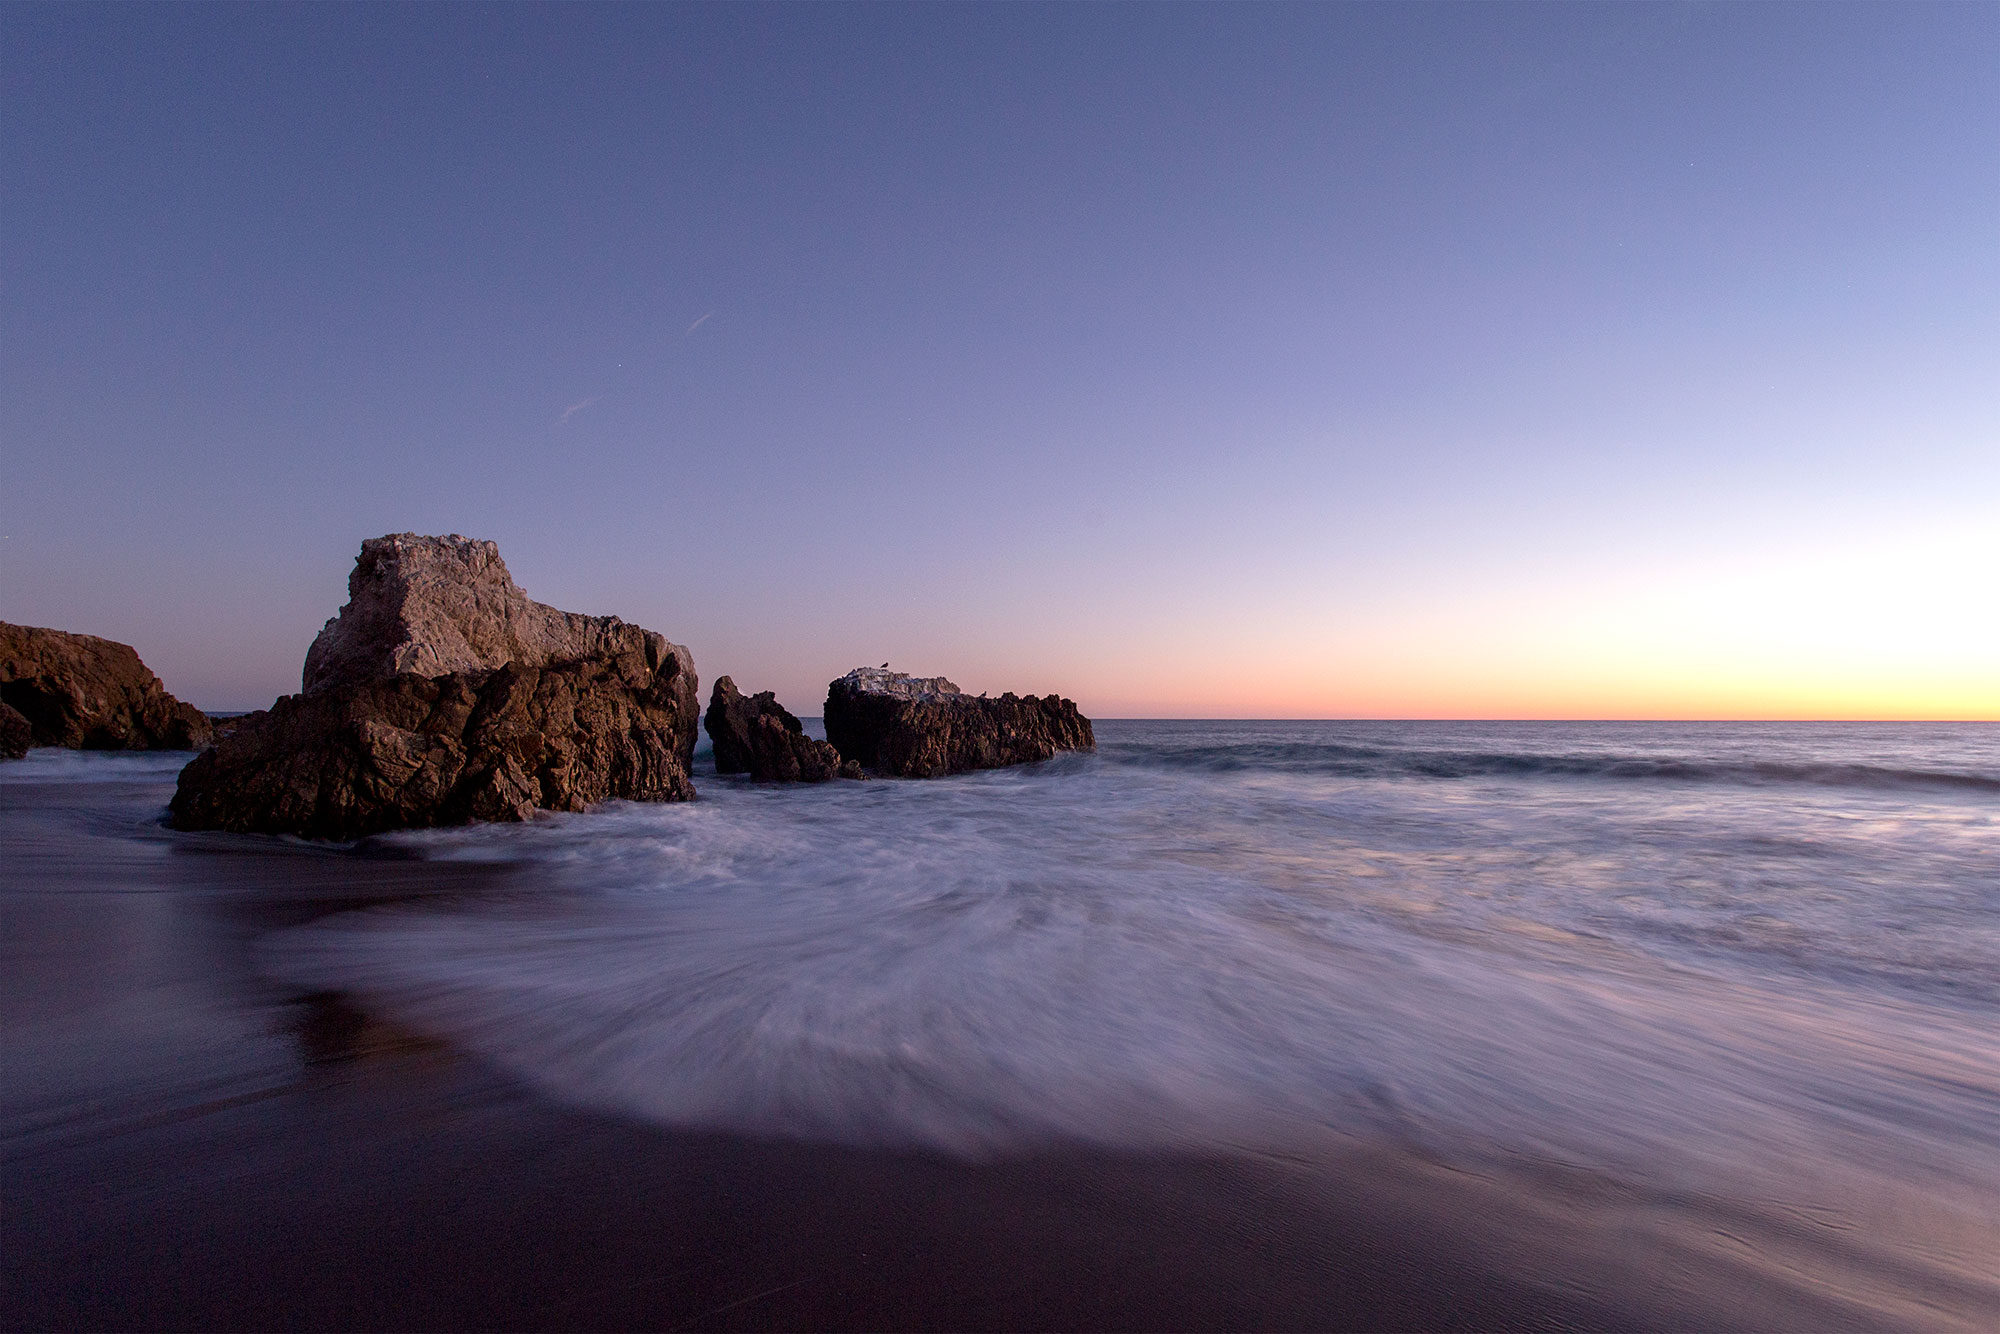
column 88, row 693
column 924, row 727
column 755, row 735
column 16, row 734
column 418, row 751
column 413, row 718
column 430, row 606
column 225, row 725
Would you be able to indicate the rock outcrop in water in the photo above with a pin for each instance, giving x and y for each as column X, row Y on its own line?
column 86, row 693
column 755, row 735
column 442, row 695
column 924, row 727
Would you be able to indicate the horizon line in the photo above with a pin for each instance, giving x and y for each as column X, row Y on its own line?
column 1385, row 718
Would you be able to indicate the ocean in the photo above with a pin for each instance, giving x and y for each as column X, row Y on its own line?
column 1742, row 980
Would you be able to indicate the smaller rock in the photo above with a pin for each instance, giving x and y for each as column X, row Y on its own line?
column 925, row 727
column 754, row 734
column 90, row 694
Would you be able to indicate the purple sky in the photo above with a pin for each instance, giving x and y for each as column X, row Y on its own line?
column 1320, row 360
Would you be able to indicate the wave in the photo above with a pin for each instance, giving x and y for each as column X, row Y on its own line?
column 1345, row 760
column 1087, row 954
column 1722, row 993
column 55, row 764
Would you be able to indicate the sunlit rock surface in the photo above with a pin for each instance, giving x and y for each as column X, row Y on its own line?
column 429, row 606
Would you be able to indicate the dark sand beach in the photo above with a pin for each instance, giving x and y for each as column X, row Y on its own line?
column 190, row 1145
column 351, row 1177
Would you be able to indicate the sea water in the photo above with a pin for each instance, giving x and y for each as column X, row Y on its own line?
column 1753, row 965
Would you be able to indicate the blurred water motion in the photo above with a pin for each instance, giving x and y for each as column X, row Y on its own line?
column 1742, row 982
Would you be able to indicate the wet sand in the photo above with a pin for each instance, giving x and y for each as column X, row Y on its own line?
column 189, row 1145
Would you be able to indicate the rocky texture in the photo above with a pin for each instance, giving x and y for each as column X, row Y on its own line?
column 16, row 733
column 755, row 735
column 594, row 709
column 925, row 727
column 431, row 606
column 87, row 693
column 225, row 723
column 416, row 751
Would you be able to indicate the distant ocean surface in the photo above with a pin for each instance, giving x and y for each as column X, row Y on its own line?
column 1741, row 970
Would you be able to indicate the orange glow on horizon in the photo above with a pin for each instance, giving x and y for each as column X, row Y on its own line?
column 1694, row 706
column 1905, row 627
column 1743, row 699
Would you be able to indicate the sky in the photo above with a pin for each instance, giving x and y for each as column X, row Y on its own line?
column 1626, row 361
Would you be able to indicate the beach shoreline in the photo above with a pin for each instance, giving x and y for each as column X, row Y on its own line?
column 190, row 1144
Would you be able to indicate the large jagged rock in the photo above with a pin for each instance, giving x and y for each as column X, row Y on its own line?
column 416, row 751
column 413, row 718
column 87, row 693
column 924, row 727
column 436, row 605
column 755, row 735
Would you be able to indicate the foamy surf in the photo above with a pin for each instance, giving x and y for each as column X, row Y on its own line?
column 1781, row 1007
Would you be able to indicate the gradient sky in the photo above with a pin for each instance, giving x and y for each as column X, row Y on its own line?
column 1557, row 361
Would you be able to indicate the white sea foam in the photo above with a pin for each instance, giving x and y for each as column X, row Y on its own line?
column 1691, row 988
column 54, row 764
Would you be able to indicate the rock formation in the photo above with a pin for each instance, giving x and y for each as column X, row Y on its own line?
column 87, row 693
column 224, row 724
column 16, row 733
column 756, row 735
column 924, row 727
column 414, row 714
column 436, row 605
column 415, row 751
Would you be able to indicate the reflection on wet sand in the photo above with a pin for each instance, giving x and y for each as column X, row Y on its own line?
column 193, row 1142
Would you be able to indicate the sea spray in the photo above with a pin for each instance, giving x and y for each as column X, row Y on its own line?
column 1696, row 981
